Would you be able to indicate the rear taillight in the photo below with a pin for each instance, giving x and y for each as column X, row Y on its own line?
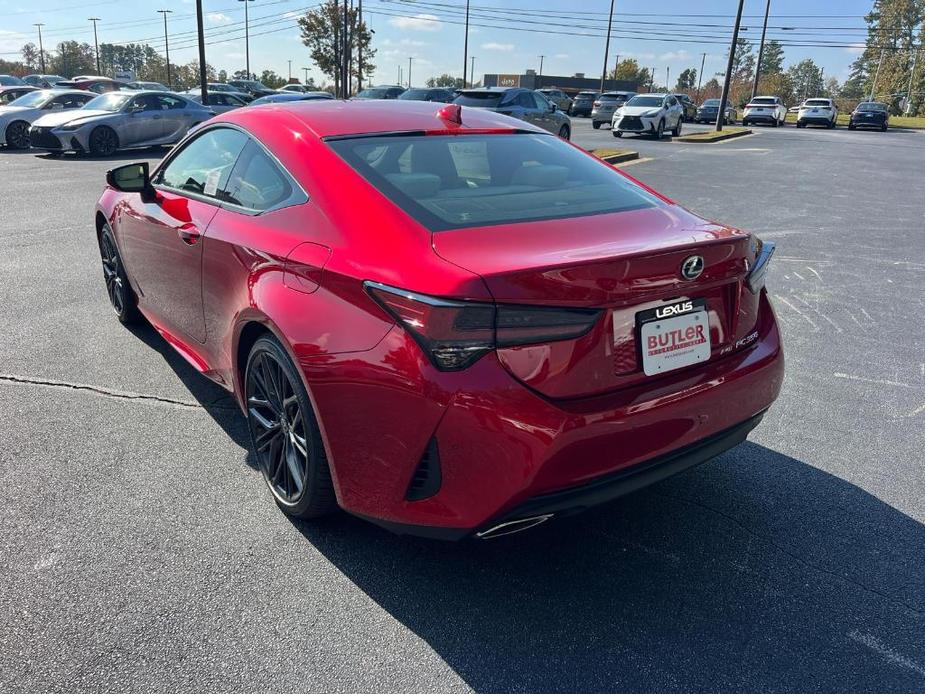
column 454, row 334
column 763, row 251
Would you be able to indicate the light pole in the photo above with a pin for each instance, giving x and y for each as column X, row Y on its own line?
column 667, row 78
column 607, row 46
column 167, row 43
column 247, row 39
column 721, row 112
column 764, row 29
column 96, row 43
column 539, row 78
column 703, row 60
column 616, row 64
column 466, row 46
column 203, row 91
column 41, row 48
column 409, row 72
column 472, row 72
column 290, row 70
column 360, row 46
column 305, row 73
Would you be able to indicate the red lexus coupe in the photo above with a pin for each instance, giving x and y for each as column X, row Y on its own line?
column 441, row 319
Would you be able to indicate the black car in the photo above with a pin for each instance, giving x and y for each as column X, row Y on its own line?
column 690, row 108
column 253, row 87
column 584, row 102
column 383, row 92
column 428, row 94
column 870, row 114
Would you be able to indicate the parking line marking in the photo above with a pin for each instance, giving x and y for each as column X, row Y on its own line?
column 888, row 653
column 917, row 411
column 798, row 311
column 878, row 381
column 641, row 160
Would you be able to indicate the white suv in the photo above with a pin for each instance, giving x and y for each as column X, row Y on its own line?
column 650, row 114
column 765, row 109
column 817, row 112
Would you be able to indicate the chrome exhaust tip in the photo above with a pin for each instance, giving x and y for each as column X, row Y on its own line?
column 514, row 526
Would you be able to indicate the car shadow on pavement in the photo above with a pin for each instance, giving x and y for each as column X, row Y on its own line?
column 755, row 572
column 215, row 400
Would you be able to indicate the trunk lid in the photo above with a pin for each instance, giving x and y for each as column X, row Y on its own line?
column 622, row 263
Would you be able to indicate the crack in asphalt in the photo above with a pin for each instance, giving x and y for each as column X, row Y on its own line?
column 109, row 392
column 797, row 558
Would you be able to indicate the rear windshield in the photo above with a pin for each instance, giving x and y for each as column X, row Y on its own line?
column 711, row 102
column 454, row 181
column 861, row 107
column 483, row 99
column 763, row 100
column 613, row 97
column 817, row 102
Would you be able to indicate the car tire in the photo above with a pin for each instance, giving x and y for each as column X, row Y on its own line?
column 564, row 132
column 292, row 461
column 17, row 135
column 833, row 125
column 122, row 297
column 801, row 124
column 676, row 131
column 103, row 141
column 596, row 125
column 851, row 126
column 884, row 128
column 660, row 130
column 616, row 133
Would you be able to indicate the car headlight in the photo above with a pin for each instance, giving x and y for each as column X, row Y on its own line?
column 72, row 126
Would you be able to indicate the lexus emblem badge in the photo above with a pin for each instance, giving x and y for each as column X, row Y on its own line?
column 692, row 267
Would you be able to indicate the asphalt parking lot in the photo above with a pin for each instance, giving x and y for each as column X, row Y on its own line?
column 141, row 550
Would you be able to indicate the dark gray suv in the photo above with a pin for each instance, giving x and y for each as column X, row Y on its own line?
column 521, row 103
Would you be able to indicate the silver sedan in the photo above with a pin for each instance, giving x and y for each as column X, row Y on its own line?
column 119, row 120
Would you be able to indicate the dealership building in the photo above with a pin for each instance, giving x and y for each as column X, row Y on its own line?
column 570, row 85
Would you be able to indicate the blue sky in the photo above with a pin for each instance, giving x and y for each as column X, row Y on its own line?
column 658, row 34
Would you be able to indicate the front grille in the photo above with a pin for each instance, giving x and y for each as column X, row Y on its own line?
column 42, row 137
column 631, row 123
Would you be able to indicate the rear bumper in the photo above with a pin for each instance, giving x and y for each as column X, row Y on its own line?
column 760, row 117
column 814, row 120
column 504, row 450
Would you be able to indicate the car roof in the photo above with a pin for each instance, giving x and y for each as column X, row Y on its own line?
column 660, row 96
column 337, row 117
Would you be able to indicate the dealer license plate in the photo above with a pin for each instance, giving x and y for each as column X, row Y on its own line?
column 674, row 336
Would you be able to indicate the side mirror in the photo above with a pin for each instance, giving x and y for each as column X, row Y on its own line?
column 132, row 178
column 553, row 108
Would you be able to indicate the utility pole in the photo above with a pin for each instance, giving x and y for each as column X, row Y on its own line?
column 96, row 44
column 721, row 111
column 472, row 71
column 409, row 72
column 346, row 50
column 764, row 29
column 915, row 60
column 360, row 46
column 41, row 48
column 703, row 60
column 539, row 78
column 247, row 39
column 651, row 78
column 873, row 87
column 466, row 46
column 167, row 43
column 399, row 76
column 667, row 78
column 607, row 46
column 290, row 70
column 305, row 73
column 616, row 64
column 203, row 90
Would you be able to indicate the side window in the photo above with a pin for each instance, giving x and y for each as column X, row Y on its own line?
column 204, row 165
column 257, row 182
column 527, row 100
column 169, row 102
column 69, row 101
column 672, row 101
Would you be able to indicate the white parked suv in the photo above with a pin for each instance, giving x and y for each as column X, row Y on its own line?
column 650, row 114
column 817, row 112
column 765, row 109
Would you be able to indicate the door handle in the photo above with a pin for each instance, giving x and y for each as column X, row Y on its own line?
column 189, row 234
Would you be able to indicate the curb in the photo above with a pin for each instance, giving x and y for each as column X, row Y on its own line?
column 716, row 138
column 617, row 158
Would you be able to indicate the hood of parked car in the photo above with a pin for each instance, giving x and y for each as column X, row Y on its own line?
column 54, row 120
column 638, row 110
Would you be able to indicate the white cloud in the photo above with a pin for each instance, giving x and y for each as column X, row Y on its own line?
column 404, row 42
column 419, row 22
column 855, row 49
column 493, row 46
column 674, row 55
column 561, row 56
column 218, row 18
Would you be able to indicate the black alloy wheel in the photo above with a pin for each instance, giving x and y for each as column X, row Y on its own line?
column 17, row 135
column 121, row 296
column 284, row 433
column 103, row 141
